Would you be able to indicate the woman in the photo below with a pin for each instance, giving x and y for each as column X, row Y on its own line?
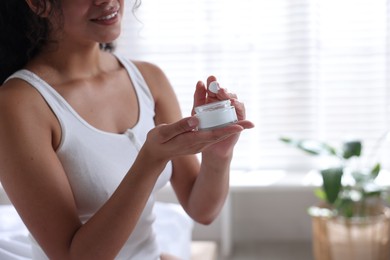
column 87, row 136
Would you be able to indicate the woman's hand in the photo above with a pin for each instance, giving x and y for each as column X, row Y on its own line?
column 166, row 141
column 204, row 96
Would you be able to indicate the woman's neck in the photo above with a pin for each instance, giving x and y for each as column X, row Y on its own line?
column 65, row 63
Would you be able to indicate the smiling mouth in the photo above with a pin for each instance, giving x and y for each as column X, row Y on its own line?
column 107, row 17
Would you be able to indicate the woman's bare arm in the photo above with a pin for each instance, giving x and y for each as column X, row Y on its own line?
column 36, row 183
column 200, row 188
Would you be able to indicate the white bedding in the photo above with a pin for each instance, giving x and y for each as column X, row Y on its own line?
column 173, row 228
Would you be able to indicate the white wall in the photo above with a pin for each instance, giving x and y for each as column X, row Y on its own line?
column 271, row 215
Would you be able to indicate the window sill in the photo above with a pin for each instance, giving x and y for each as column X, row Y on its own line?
column 271, row 180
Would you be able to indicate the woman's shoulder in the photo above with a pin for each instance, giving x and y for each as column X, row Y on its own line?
column 167, row 106
column 148, row 69
column 16, row 92
column 21, row 104
column 154, row 77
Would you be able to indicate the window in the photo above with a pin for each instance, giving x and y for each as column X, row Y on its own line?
column 304, row 68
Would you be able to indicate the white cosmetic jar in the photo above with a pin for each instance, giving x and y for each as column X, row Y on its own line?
column 216, row 114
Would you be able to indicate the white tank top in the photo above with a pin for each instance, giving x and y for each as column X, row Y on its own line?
column 96, row 161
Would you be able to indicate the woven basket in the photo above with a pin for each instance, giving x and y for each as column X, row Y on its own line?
column 338, row 238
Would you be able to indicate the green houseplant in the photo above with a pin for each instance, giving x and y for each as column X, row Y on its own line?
column 352, row 220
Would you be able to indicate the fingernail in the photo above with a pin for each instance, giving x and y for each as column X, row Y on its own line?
column 192, row 122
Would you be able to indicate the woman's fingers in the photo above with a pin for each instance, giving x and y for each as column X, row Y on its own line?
column 180, row 138
column 240, row 109
column 168, row 132
column 223, row 94
column 199, row 96
column 246, row 124
column 205, row 95
column 215, row 92
column 211, row 92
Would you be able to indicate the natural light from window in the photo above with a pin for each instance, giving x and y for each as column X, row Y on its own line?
column 304, row 68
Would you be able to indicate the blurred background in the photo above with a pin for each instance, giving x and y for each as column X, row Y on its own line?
column 304, row 68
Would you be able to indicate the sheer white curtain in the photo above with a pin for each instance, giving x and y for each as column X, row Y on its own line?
column 304, row 68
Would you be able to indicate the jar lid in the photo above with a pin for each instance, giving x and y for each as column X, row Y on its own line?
column 214, row 87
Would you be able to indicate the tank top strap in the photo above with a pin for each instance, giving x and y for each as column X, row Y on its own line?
column 56, row 102
column 138, row 80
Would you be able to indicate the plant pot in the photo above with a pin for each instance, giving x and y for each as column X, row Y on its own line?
column 339, row 238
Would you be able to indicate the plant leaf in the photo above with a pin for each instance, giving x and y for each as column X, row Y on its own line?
column 345, row 207
column 375, row 171
column 351, row 148
column 312, row 147
column 320, row 193
column 331, row 178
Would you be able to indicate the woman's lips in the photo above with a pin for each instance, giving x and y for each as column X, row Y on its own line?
column 107, row 17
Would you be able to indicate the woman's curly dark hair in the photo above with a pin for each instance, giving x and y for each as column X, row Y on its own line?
column 24, row 33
